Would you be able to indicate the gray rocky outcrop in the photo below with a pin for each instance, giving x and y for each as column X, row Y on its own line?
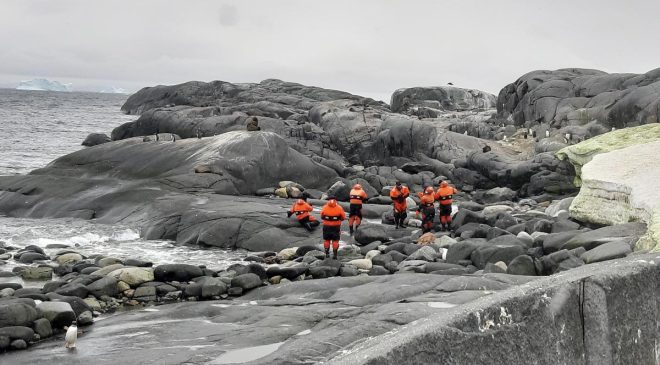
column 224, row 94
column 602, row 303
column 438, row 99
column 94, row 139
column 572, row 98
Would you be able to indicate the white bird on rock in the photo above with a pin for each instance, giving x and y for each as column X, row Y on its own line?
column 71, row 336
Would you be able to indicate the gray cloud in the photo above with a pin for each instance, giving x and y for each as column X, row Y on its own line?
column 228, row 15
column 370, row 47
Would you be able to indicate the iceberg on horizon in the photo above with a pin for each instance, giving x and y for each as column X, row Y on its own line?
column 114, row 90
column 43, row 85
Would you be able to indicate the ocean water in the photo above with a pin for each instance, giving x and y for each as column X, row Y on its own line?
column 40, row 126
column 36, row 128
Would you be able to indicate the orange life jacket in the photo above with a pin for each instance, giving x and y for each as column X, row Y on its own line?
column 301, row 209
column 445, row 194
column 332, row 216
column 426, row 201
column 358, row 196
column 399, row 198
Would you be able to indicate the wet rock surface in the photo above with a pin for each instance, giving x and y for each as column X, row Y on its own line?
column 311, row 321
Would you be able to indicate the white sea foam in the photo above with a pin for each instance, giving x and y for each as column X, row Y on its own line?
column 118, row 241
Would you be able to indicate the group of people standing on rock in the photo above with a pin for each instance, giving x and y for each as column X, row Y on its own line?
column 426, row 207
column 444, row 196
column 332, row 214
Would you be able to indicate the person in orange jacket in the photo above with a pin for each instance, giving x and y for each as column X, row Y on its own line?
column 332, row 215
column 302, row 210
column 358, row 196
column 398, row 196
column 444, row 196
column 427, row 209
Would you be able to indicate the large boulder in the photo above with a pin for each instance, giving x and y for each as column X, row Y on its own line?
column 495, row 195
column 504, row 170
column 59, row 314
column 362, row 264
column 73, row 289
column 618, row 186
column 426, row 253
column 465, row 216
column 94, row 139
column 494, row 253
column 325, row 269
column 557, row 206
column 18, row 333
column 564, row 225
column 69, row 258
column 78, row 305
column 582, row 153
column 133, row 276
column 381, row 260
column 176, row 272
column 340, row 190
column 556, row 241
column 210, row 287
column 463, row 250
column 607, row 251
column 521, row 265
column 368, row 233
column 591, row 239
column 246, row 281
column 30, row 257
column 37, row 273
column 18, row 312
column 475, row 230
column 43, row 328
column 106, row 285
column 287, row 272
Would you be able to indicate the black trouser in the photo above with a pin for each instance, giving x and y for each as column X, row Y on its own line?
column 309, row 224
column 445, row 210
column 399, row 217
column 428, row 214
column 355, row 210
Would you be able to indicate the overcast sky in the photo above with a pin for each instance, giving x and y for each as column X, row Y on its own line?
column 367, row 47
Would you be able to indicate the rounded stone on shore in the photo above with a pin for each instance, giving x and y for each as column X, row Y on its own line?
column 59, row 314
column 133, row 276
column 246, row 281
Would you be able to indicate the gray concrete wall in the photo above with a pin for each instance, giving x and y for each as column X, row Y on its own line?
column 605, row 313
